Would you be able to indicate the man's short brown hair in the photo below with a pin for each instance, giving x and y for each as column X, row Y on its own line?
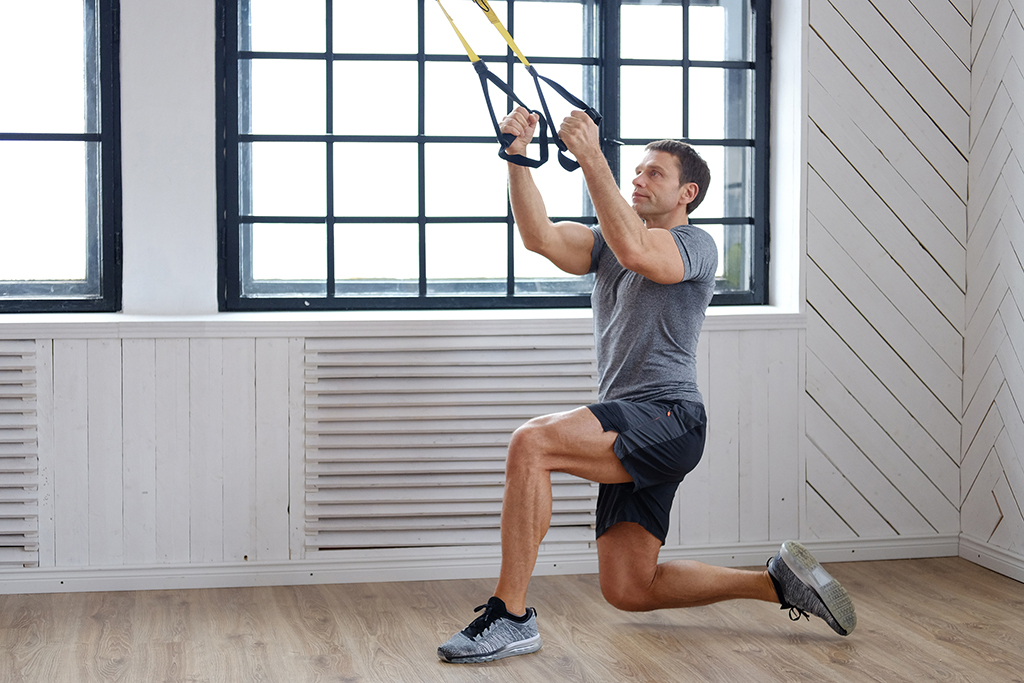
column 692, row 167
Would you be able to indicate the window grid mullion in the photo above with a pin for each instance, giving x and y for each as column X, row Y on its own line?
column 239, row 160
column 93, row 151
column 762, row 131
column 329, row 127
column 686, row 69
column 421, row 124
column 510, row 264
column 611, row 61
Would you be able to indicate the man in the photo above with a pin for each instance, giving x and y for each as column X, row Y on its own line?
column 655, row 275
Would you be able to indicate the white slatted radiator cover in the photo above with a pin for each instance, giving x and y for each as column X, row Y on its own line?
column 19, row 468
column 406, row 435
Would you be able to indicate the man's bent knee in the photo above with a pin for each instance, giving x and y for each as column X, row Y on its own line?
column 540, row 435
column 628, row 593
column 527, row 437
column 528, row 445
column 628, row 566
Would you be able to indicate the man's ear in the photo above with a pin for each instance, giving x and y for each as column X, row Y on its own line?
column 688, row 192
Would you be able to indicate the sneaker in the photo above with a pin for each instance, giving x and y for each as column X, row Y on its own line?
column 493, row 635
column 804, row 586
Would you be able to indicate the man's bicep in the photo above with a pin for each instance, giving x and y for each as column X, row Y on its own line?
column 661, row 260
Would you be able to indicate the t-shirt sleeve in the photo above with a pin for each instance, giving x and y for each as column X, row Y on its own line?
column 595, row 252
column 699, row 252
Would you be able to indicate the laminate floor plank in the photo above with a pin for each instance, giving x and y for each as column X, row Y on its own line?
column 941, row 619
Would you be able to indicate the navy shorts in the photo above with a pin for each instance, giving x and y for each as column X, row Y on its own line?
column 659, row 443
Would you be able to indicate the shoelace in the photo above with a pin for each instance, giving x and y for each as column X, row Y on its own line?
column 795, row 613
column 481, row 623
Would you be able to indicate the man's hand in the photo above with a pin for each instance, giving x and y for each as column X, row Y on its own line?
column 522, row 124
column 581, row 135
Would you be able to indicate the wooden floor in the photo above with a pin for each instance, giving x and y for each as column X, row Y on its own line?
column 919, row 620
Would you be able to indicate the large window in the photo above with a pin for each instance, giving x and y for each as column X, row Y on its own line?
column 360, row 166
column 59, row 157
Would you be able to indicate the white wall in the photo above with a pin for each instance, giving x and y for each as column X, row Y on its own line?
column 169, row 157
column 840, row 427
column 889, row 89
column 992, row 476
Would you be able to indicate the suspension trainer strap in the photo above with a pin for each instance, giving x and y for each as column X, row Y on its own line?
column 493, row 18
column 506, row 139
column 567, row 163
column 485, row 75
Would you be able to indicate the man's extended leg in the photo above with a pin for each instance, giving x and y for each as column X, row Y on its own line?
column 633, row 580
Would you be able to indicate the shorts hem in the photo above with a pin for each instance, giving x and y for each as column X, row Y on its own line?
column 618, row 448
column 642, row 523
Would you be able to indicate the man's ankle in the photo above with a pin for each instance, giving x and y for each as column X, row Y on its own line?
column 515, row 609
column 776, row 589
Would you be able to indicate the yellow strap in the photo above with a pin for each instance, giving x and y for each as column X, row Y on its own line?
column 486, row 7
column 469, row 51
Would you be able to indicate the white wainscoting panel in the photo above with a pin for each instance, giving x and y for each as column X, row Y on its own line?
column 192, row 457
column 746, row 489
column 889, row 96
column 165, row 451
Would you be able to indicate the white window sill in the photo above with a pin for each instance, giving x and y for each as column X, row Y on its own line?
column 320, row 323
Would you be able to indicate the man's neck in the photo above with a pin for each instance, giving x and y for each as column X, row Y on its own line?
column 666, row 222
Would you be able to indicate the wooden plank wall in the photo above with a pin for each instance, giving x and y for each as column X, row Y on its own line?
column 165, row 451
column 190, row 450
column 745, row 492
column 992, row 475
column 889, row 96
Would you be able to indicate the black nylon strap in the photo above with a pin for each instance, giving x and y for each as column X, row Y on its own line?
column 567, row 163
column 506, row 139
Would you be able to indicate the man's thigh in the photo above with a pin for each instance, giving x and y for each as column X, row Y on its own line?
column 627, row 553
column 574, row 442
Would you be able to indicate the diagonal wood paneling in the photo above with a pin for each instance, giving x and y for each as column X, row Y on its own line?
column 992, row 470
column 889, row 95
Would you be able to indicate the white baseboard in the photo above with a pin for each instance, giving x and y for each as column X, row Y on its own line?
column 989, row 556
column 355, row 567
column 847, row 550
column 440, row 564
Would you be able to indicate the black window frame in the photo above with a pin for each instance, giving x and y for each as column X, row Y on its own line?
column 103, row 177
column 232, row 240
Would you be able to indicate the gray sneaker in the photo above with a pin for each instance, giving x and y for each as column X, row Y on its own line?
column 804, row 586
column 493, row 635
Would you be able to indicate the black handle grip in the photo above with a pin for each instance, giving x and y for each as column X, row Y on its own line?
column 506, row 139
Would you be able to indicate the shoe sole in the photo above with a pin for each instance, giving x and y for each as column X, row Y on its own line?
column 809, row 570
column 521, row 647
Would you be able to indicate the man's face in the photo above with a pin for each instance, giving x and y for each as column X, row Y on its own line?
column 656, row 188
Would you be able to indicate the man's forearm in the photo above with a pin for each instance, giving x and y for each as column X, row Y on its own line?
column 528, row 207
column 623, row 230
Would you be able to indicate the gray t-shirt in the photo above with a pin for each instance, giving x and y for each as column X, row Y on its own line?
column 646, row 333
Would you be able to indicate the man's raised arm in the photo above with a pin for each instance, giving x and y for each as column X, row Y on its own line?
column 566, row 244
column 645, row 247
